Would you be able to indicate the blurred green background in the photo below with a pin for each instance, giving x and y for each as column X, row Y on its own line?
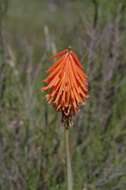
column 31, row 137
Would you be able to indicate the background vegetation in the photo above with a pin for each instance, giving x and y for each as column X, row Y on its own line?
column 31, row 136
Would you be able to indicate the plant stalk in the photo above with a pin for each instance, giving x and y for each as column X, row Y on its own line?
column 68, row 161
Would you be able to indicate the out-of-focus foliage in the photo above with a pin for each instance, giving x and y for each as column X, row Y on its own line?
column 31, row 139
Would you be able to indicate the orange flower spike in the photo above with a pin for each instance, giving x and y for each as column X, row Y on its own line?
column 67, row 85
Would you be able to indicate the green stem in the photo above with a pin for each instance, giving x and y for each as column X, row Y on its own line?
column 68, row 161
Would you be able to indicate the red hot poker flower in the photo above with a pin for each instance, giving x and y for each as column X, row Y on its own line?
column 67, row 84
